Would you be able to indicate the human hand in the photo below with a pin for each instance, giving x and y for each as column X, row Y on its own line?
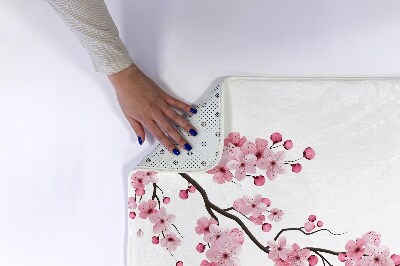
column 145, row 104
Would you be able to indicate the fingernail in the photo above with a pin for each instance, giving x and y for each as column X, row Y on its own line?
column 140, row 140
column 193, row 132
column 193, row 110
column 187, row 147
column 175, row 151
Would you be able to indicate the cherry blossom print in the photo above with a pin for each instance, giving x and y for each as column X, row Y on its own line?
column 215, row 234
column 312, row 218
column 132, row 203
column 372, row 237
column 296, row 167
column 237, row 235
column 225, row 252
column 203, row 225
column 355, row 249
column 376, row 256
column 257, row 149
column 299, row 257
column 275, row 215
column 313, row 260
column 309, row 153
column 179, row 263
column 221, row 173
column 207, row 263
column 200, row 247
column 257, row 219
column 235, row 139
column 279, row 248
column 259, row 180
column 250, row 205
column 276, row 137
column 141, row 178
column 147, row 208
column 184, row 194
column 170, row 242
column 161, row 220
column 242, row 164
column 320, row 224
column 155, row 240
column 309, row 226
column 288, row 144
column 132, row 215
column 273, row 163
column 266, row 227
column 396, row 259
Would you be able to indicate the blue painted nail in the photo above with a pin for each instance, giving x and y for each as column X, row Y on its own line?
column 193, row 132
column 175, row 151
column 140, row 140
column 193, row 110
column 187, row 147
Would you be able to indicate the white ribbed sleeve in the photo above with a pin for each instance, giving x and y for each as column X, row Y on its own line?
column 91, row 21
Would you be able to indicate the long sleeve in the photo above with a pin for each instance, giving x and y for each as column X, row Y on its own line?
column 91, row 21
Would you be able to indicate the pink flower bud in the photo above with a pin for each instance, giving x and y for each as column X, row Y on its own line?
column 155, row 240
column 192, row 189
column 140, row 233
column 312, row 218
column 396, row 259
column 296, row 168
column 288, row 144
column 132, row 203
column 139, row 191
column 342, row 257
column 320, row 223
column 309, row 153
column 200, row 247
column 184, row 194
column 179, row 263
column 132, row 215
column 266, row 201
column 166, row 200
column 276, row 137
column 312, row 260
column 309, row 226
column 259, row 180
column 266, row 227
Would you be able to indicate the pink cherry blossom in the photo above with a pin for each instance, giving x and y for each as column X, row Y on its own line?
column 237, row 235
column 309, row 226
column 147, row 208
column 141, row 178
column 215, row 234
column 242, row 164
column 257, row 219
column 280, row 262
column 273, row 163
column 241, row 206
column 250, row 205
column 309, row 153
column 161, row 220
column 266, row 227
column 132, row 203
column 259, row 180
column 140, row 191
column 372, row 237
column 235, row 139
column 299, row 257
column 203, row 225
column 276, row 137
column 170, row 242
column 275, row 215
column 224, row 252
column 266, row 201
column 257, row 149
column 221, row 173
column 288, row 144
column 207, row 263
column 376, row 256
column 279, row 248
column 355, row 249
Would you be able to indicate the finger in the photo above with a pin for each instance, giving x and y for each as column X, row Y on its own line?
column 179, row 120
column 138, row 128
column 161, row 137
column 171, row 131
column 180, row 105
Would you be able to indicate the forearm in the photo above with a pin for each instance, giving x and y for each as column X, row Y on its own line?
column 91, row 21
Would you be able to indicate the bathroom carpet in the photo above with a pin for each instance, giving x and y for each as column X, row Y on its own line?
column 283, row 171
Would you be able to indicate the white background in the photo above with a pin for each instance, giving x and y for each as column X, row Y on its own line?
column 65, row 147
